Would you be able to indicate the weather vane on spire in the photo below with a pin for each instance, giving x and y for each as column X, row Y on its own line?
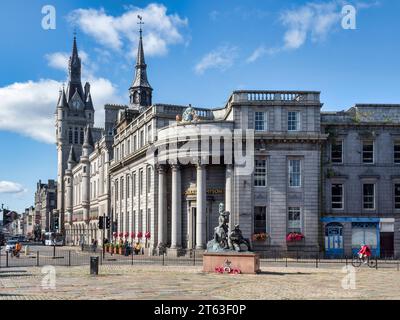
column 140, row 23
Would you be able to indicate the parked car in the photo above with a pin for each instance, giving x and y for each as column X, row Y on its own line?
column 10, row 246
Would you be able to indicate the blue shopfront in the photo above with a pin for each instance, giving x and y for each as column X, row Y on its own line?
column 344, row 235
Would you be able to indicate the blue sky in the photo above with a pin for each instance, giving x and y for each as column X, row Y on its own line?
column 197, row 52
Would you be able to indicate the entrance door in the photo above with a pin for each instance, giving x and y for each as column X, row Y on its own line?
column 387, row 244
column 334, row 240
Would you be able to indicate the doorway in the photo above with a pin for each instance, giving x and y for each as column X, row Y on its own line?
column 387, row 244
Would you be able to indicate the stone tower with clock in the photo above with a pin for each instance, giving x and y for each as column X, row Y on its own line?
column 74, row 113
column 140, row 92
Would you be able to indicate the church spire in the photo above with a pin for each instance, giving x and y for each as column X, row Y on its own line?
column 75, row 66
column 140, row 91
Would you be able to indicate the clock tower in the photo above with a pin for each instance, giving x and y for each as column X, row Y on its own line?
column 140, row 92
column 74, row 113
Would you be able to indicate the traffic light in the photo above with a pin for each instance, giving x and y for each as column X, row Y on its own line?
column 108, row 223
column 101, row 223
column 56, row 223
column 7, row 217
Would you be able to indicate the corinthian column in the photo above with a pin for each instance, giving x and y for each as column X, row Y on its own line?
column 201, row 207
column 228, row 193
column 176, row 208
column 161, row 204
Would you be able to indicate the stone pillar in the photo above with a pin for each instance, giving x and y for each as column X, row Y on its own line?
column 228, row 193
column 176, row 208
column 161, row 204
column 201, row 201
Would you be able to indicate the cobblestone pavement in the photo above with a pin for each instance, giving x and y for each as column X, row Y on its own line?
column 156, row 282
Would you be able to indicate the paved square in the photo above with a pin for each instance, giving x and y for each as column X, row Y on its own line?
column 157, row 282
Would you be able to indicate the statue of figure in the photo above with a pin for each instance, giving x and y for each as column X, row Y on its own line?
column 189, row 114
column 224, row 240
column 236, row 239
column 220, row 240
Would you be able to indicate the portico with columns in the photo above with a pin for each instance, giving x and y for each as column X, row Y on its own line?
column 188, row 201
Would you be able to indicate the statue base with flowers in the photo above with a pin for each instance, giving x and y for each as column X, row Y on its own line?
column 230, row 247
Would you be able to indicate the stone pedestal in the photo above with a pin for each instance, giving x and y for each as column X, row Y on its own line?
column 247, row 262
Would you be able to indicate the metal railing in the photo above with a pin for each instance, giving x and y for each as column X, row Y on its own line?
column 60, row 256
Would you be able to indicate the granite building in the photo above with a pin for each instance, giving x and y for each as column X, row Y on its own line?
column 45, row 203
column 293, row 177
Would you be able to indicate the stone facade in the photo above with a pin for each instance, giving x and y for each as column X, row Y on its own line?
column 45, row 203
column 160, row 171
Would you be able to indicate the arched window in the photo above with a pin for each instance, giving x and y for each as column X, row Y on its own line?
column 82, row 136
column 76, row 138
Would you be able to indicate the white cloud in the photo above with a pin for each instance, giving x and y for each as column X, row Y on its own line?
column 260, row 52
column 120, row 33
column 28, row 107
column 314, row 21
column 11, row 187
column 221, row 58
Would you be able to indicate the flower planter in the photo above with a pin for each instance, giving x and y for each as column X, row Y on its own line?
column 121, row 251
column 115, row 250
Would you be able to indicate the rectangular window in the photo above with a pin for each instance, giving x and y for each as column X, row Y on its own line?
column 368, row 151
column 337, row 196
column 122, row 151
column 260, row 121
column 134, row 143
column 369, row 196
column 116, row 190
column 260, row 173
column 397, row 196
column 129, row 146
column 128, row 194
column 141, row 138
column 337, row 151
column 293, row 121
column 260, row 220
column 149, row 133
column 148, row 180
column 141, row 182
column 396, row 151
column 122, row 188
column 294, row 219
column 134, row 185
column 294, row 173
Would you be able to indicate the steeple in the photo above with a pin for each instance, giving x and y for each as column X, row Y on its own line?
column 75, row 66
column 88, row 139
column 62, row 100
column 140, row 92
column 71, row 157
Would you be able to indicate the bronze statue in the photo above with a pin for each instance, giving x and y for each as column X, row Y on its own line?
column 223, row 240
column 236, row 239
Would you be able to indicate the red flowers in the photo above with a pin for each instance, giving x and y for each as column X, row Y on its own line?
column 133, row 235
column 115, row 234
column 140, row 235
column 294, row 236
column 121, row 234
column 126, row 234
column 147, row 235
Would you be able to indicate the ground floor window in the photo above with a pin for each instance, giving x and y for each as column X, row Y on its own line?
column 260, row 220
column 397, row 196
column 364, row 234
column 294, row 219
